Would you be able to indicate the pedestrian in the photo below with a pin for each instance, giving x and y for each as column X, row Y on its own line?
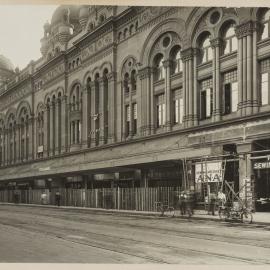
column 182, row 202
column 43, row 198
column 221, row 197
column 57, row 198
column 212, row 204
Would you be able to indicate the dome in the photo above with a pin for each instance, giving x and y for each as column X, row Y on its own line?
column 5, row 63
column 65, row 14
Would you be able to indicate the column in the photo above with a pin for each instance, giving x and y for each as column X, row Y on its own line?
column 188, row 84
column 216, row 44
column 17, row 143
column 46, row 132
column 245, row 165
column 244, row 33
column 85, row 116
column 64, row 129
column 93, row 115
column 101, row 111
column 168, row 95
column 51, row 128
column 56, row 126
column 111, row 77
column 130, row 110
column 152, row 102
column 195, row 88
column 30, row 137
column 144, row 107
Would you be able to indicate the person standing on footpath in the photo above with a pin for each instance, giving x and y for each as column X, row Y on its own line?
column 57, row 198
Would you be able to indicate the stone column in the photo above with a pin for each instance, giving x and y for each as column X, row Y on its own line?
column 168, row 95
column 46, row 132
column 130, row 110
column 64, row 128
column 30, row 138
column 244, row 33
column 93, row 115
column 152, row 103
column 17, row 143
column 217, row 93
column 51, row 123
column 188, row 79
column 144, row 106
column 85, row 116
column 57, row 126
column 195, row 88
column 245, row 165
column 101, row 111
column 111, row 77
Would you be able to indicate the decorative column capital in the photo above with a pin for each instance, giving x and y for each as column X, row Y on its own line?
column 167, row 63
column 111, row 76
column 187, row 54
column 216, row 42
column 245, row 29
column 144, row 73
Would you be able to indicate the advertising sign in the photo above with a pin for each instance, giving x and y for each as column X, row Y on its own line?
column 208, row 172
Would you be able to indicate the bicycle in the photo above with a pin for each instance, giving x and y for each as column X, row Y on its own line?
column 165, row 209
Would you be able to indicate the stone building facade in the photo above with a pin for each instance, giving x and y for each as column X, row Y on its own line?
column 137, row 96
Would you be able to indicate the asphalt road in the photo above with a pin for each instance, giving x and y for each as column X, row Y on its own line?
column 56, row 235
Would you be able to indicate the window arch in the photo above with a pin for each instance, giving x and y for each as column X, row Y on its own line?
column 229, row 39
column 159, row 68
column 266, row 22
column 175, row 56
column 205, row 48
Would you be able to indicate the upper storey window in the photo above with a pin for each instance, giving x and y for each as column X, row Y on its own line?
column 230, row 40
column 206, row 50
column 158, row 64
column 266, row 20
column 177, row 65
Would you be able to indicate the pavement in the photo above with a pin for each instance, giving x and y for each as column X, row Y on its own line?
column 262, row 218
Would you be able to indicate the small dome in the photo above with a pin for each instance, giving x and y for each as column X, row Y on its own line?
column 5, row 63
column 65, row 14
column 84, row 12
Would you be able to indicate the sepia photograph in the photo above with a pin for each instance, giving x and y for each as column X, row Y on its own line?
column 134, row 134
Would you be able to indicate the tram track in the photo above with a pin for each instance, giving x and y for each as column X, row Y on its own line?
column 90, row 235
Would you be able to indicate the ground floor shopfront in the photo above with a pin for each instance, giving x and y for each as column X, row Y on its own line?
column 145, row 169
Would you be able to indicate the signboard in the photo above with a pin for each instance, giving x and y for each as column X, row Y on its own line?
column 40, row 149
column 208, row 172
column 261, row 165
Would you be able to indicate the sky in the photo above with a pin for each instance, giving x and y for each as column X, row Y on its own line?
column 21, row 28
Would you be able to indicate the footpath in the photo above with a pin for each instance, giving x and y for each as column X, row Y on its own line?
column 260, row 218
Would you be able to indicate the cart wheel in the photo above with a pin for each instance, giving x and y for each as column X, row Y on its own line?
column 247, row 217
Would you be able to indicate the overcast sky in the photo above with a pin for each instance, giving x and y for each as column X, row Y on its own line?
column 21, row 28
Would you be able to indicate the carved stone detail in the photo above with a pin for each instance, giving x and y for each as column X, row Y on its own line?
column 144, row 73
column 244, row 29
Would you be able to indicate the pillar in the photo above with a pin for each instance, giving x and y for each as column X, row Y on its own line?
column 245, row 165
column 51, row 123
column 216, row 44
column 248, row 95
column 46, row 132
column 17, row 143
column 85, row 116
column 101, row 110
column 111, row 77
column 56, row 126
column 168, row 95
column 64, row 129
column 30, row 138
column 93, row 115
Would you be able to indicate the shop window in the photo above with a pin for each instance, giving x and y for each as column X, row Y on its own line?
column 266, row 20
column 161, row 111
column 264, row 88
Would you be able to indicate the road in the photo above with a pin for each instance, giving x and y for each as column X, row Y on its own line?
column 57, row 235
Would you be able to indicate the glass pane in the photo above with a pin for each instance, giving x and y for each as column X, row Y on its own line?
column 234, row 44
column 176, row 110
column 181, row 110
column 210, row 54
column 208, row 102
column 204, row 59
column 265, row 31
column 230, row 32
column 163, row 114
column 267, row 15
column 264, row 88
column 128, row 113
column 226, row 46
column 234, row 96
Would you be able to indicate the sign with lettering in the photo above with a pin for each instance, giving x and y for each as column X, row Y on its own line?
column 261, row 165
column 208, row 172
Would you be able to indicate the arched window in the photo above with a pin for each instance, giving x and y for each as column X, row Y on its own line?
column 266, row 21
column 230, row 40
column 125, row 33
column 177, row 65
column 159, row 68
column 206, row 50
column 126, row 83
column 133, row 80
